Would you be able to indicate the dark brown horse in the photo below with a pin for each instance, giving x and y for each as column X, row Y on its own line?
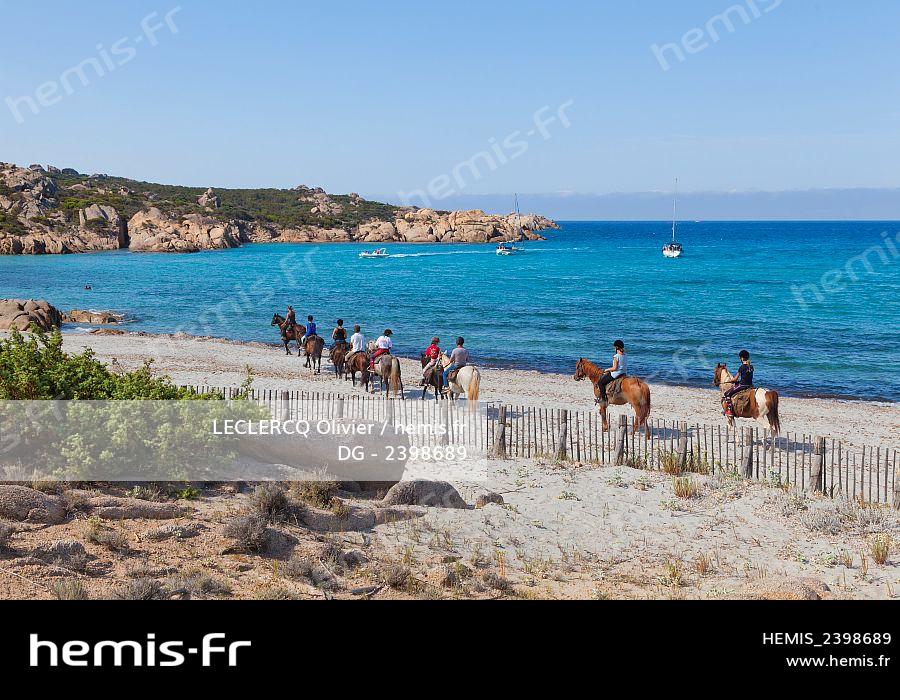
column 288, row 335
column 358, row 364
column 633, row 391
column 339, row 358
column 314, row 348
column 435, row 379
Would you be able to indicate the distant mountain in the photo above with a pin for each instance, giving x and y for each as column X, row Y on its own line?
column 813, row 205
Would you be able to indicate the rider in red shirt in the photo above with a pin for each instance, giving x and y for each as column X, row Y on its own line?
column 433, row 353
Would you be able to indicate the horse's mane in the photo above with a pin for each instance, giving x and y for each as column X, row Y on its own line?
column 592, row 371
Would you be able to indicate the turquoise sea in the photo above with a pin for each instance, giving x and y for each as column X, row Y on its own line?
column 818, row 304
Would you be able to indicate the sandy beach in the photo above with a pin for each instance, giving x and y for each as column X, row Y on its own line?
column 544, row 530
column 206, row 362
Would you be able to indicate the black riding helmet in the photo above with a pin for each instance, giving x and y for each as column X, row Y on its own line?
column 619, row 345
column 744, row 355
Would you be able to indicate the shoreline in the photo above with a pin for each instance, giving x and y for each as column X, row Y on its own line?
column 217, row 362
column 502, row 365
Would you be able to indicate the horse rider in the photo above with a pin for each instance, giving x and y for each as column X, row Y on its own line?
column 459, row 358
column 433, row 353
column 310, row 330
column 743, row 380
column 383, row 346
column 618, row 370
column 339, row 334
column 357, row 342
column 290, row 322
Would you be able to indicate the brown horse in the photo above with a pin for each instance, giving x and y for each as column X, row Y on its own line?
column 762, row 404
column 633, row 391
column 314, row 349
column 358, row 364
column 288, row 336
column 339, row 358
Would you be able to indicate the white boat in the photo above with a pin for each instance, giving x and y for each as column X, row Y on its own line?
column 510, row 248
column 375, row 254
column 674, row 249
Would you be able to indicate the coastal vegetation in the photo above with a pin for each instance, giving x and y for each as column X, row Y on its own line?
column 267, row 206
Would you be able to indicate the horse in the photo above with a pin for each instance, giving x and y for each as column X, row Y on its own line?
column 467, row 381
column 634, row 392
column 338, row 356
column 288, row 336
column 387, row 368
column 358, row 364
column 435, row 379
column 762, row 406
column 314, row 348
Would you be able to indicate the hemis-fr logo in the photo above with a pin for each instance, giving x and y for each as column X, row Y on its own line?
column 213, row 650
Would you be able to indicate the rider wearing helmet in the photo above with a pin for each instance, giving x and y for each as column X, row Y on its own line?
column 743, row 380
column 618, row 370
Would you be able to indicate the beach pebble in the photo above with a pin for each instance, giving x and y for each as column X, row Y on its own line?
column 486, row 499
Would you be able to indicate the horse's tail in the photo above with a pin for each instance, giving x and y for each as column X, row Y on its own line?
column 643, row 403
column 772, row 400
column 474, row 390
column 395, row 376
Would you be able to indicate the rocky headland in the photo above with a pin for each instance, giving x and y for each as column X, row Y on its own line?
column 55, row 211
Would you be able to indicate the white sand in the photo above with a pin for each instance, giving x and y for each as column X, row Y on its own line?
column 222, row 363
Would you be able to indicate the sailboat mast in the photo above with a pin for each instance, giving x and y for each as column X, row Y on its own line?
column 675, row 211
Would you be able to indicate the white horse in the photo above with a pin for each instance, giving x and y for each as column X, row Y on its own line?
column 467, row 382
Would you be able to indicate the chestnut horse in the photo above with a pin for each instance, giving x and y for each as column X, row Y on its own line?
column 633, row 391
column 762, row 406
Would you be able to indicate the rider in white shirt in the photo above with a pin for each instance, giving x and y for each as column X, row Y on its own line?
column 383, row 346
column 357, row 342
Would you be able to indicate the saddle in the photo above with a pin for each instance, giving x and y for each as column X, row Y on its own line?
column 454, row 374
column 613, row 391
column 741, row 401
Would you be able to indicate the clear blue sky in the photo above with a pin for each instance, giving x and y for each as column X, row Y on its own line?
column 384, row 97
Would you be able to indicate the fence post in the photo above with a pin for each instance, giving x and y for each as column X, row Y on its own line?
column 500, row 440
column 445, row 421
column 340, row 408
column 562, row 437
column 683, row 445
column 817, row 470
column 621, row 438
column 285, row 410
column 747, row 458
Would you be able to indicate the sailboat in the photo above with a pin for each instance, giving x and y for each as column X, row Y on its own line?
column 521, row 238
column 674, row 249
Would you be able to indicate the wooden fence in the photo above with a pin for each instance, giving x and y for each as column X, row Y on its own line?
column 808, row 462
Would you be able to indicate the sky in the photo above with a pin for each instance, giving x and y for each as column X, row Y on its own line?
column 413, row 101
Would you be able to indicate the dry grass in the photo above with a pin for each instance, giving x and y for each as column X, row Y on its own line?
column 249, row 533
column 703, row 565
column 673, row 573
column 198, row 584
column 396, row 576
column 316, row 494
column 880, row 549
column 100, row 534
column 685, row 488
column 270, row 502
column 69, row 589
column 142, row 589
